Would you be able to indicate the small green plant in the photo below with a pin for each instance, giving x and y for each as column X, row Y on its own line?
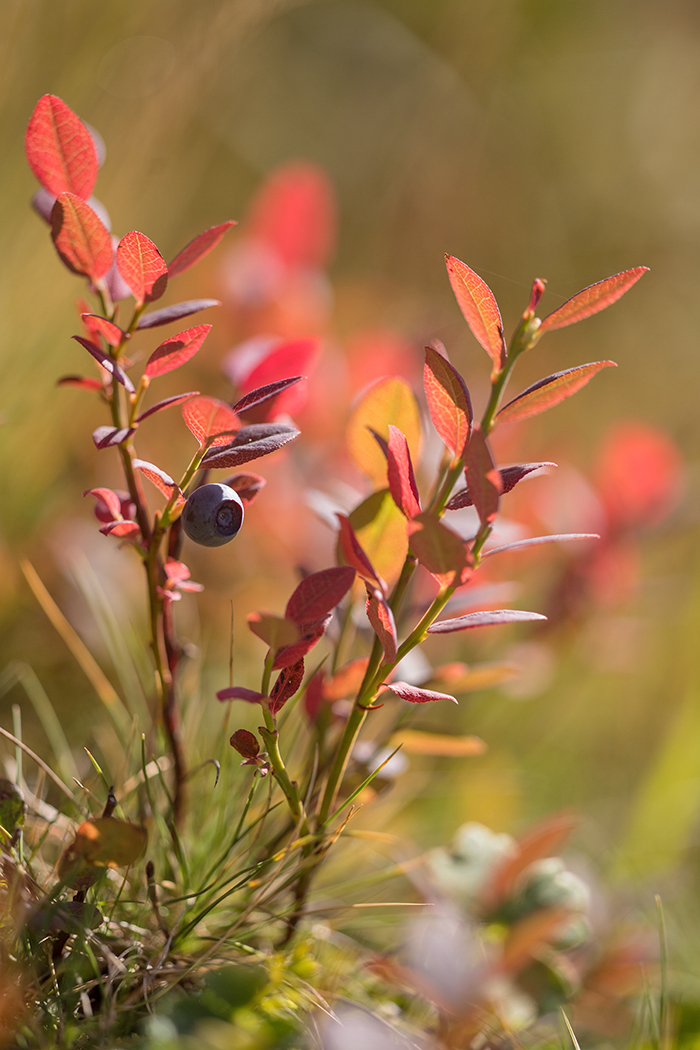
column 245, row 892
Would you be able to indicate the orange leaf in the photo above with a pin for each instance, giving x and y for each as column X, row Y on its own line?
column 389, row 400
column 550, row 391
column 60, row 149
column 415, row 742
column 592, row 300
column 142, row 267
column 478, row 304
column 208, row 418
column 448, row 401
column 483, row 479
column 81, row 239
column 198, row 247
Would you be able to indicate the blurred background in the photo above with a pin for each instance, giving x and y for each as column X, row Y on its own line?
column 530, row 138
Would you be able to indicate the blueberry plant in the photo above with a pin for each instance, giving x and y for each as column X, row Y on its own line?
column 125, row 277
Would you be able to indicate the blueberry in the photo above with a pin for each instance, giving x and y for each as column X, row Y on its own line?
column 212, row 515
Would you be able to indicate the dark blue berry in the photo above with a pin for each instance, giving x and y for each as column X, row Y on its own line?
column 212, row 515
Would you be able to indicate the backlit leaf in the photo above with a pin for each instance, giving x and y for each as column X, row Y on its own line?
column 80, row 237
column 402, row 481
column 176, row 350
column 167, row 402
column 286, row 359
column 536, row 541
column 380, row 528
column 510, row 476
column 438, row 549
column 483, row 479
column 211, row 421
column 488, row 618
column 294, row 215
column 162, row 481
column 264, row 393
column 548, row 392
column 60, row 149
column 123, row 529
column 354, row 555
column 592, row 299
column 276, row 631
column 414, row 695
column 383, row 624
column 259, row 439
column 478, row 304
column 287, row 655
column 448, row 401
column 460, row 678
column 198, row 247
column 82, row 382
column 155, row 318
column 104, row 842
column 415, row 742
column 347, row 681
column 318, row 594
column 101, row 326
column 107, row 363
column 389, row 400
column 109, row 499
column 142, row 267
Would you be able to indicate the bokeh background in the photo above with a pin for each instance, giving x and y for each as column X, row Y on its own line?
column 531, row 138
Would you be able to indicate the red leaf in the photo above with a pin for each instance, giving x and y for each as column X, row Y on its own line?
column 155, row 318
column 237, row 692
column 81, row 239
column 259, row 439
column 122, row 529
column 510, row 476
column 287, row 655
column 198, row 247
column 541, row 841
column 108, row 363
column 440, row 550
column 248, row 486
column 483, row 479
column 592, row 299
column 142, row 267
column 402, row 480
column 536, row 541
column 483, row 619
column 82, row 382
column 318, row 594
column 355, row 556
column 294, row 213
column 176, row 350
column 448, row 401
column 414, row 695
column 264, row 393
column 157, row 477
column 108, row 437
column 211, row 421
column 286, row 359
column 639, row 475
column 383, row 624
column 287, row 684
column 245, row 743
column 478, row 304
column 549, row 391
column 97, row 326
column 60, row 149
column 109, row 500
column 167, row 402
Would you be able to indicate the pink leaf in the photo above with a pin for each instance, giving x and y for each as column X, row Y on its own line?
column 402, row 481
column 550, row 391
column 294, row 214
column 82, row 382
column 157, row 477
column 355, row 556
column 448, row 401
column 168, row 402
column 318, row 594
column 438, row 549
column 176, row 350
column 60, row 149
column 251, row 442
column 211, row 421
column 478, row 304
column 80, row 237
column 198, row 247
column 155, row 318
column 414, row 695
column 248, row 486
column 510, row 476
column 97, row 326
column 108, row 363
column 483, row 619
column 142, row 267
column 237, row 692
column 483, row 479
column 123, row 529
column 536, row 541
column 383, row 624
column 109, row 500
column 289, row 358
column 109, row 437
column 592, row 299
column 287, row 684
column 264, row 393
